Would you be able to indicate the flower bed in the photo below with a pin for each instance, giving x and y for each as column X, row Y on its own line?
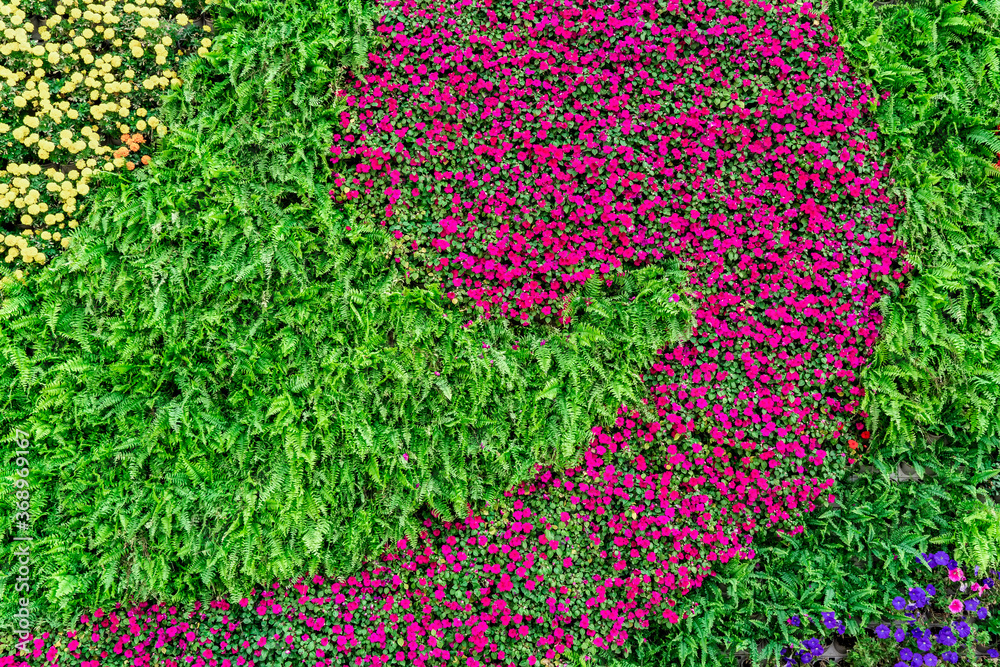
column 761, row 182
column 66, row 120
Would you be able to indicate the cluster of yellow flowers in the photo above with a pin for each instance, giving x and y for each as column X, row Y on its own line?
column 68, row 84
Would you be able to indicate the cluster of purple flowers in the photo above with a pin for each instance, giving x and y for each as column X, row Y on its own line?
column 922, row 650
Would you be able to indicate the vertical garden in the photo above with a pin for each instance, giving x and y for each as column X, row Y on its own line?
column 499, row 332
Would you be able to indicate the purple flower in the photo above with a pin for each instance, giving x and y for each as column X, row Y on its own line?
column 930, row 659
column 918, row 596
column 794, row 620
column 971, row 605
column 946, row 637
column 950, row 656
column 905, row 654
column 982, row 613
column 963, row 629
column 882, row 631
column 899, row 635
column 942, row 558
column 898, row 603
column 924, row 644
column 993, row 653
column 930, row 589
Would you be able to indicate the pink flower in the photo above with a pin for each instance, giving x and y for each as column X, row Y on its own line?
column 956, row 574
column 955, row 606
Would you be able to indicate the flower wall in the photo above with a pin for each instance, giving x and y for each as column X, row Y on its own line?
column 565, row 143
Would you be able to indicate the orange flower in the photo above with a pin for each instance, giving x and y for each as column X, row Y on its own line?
column 133, row 146
column 138, row 138
column 145, row 159
column 124, row 137
column 853, row 444
column 130, row 165
column 121, row 152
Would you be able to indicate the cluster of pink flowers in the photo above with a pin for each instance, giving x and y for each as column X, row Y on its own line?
column 519, row 148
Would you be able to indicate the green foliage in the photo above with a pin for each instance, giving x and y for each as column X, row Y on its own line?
column 223, row 386
column 871, row 652
column 976, row 535
column 937, row 367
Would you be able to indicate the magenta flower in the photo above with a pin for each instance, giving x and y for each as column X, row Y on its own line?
column 956, row 606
